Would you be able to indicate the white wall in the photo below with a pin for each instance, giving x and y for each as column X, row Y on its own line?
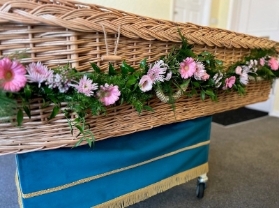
column 256, row 17
column 219, row 13
column 275, row 102
column 160, row 9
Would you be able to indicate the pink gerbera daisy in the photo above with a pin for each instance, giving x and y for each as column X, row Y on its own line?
column 108, row 94
column 187, row 68
column 12, row 75
column 86, row 86
column 273, row 63
column 37, row 72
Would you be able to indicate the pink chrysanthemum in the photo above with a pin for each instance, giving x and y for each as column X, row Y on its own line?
column 37, row 72
column 157, row 72
column 86, row 86
column 238, row 70
column 200, row 73
column 205, row 76
column 273, row 63
column 145, row 83
column 108, row 94
column 229, row 82
column 12, row 75
column 262, row 61
column 187, row 68
column 200, row 66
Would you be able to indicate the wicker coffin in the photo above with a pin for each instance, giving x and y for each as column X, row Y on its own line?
column 60, row 32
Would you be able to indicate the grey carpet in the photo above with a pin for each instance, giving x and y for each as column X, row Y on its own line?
column 8, row 192
column 244, row 171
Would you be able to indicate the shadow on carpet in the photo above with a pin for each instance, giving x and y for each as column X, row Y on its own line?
column 237, row 116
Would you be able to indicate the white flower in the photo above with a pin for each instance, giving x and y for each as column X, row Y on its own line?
column 245, row 69
column 63, row 88
column 244, row 78
column 58, row 81
column 145, row 83
column 217, row 78
column 238, row 70
column 57, row 78
column 168, row 76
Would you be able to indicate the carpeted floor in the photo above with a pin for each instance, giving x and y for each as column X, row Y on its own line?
column 244, row 172
column 8, row 192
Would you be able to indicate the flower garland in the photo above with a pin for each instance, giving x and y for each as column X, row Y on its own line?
column 180, row 73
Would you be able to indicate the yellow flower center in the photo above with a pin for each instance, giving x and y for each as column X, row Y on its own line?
column 8, row 76
column 107, row 94
column 186, row 68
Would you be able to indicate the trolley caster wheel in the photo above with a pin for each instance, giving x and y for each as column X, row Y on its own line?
column 200, row 190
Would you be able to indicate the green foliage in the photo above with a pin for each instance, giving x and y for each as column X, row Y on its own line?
column 55, row 111
column 19, row 117
column 27, row 111
column 85, row 133
column 126, row 69
column 112, row 71
column 7, row 105
column 127, row 78
column 266, row 73
column 96, row 68
column 185, row 50
column 143, row 65
column 211, row 64
column 259, row 53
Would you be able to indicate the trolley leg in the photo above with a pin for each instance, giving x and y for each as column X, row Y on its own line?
column 201, row 185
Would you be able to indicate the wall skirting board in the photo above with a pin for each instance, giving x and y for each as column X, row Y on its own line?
column 274, row 113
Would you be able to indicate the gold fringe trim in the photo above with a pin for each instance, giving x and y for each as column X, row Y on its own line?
column 19, row 197
column 88, row 179
column 161, row 186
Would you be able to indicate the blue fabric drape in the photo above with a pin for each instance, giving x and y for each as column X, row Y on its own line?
column 42, row 170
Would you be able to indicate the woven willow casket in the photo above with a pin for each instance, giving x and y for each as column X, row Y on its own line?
column 67, row 32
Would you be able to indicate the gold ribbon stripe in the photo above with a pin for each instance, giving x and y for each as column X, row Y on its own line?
column 88, row 179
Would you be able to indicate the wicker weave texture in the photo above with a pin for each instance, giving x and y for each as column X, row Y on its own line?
column 67, row 32
column 59, row 32
column 38, row 134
